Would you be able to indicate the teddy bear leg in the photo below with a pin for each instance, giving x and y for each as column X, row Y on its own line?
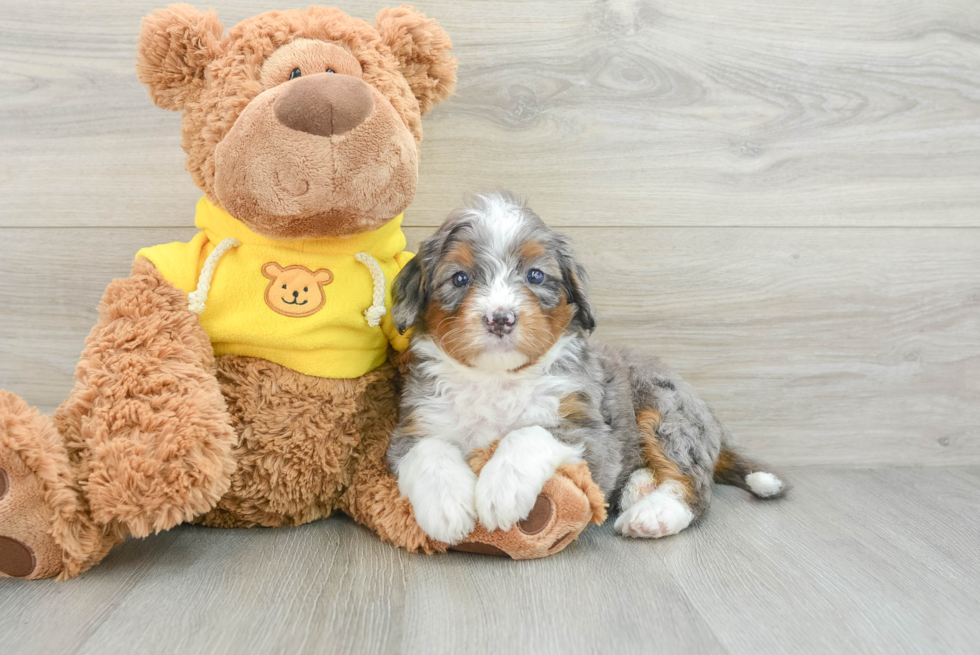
column 567, row 504
column 145, row 433
column 146, row 428
column 44, row 528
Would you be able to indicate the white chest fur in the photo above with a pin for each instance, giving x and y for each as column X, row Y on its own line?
column 473, row 409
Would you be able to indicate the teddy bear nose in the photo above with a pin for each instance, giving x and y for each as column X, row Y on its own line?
column 324, row 104
column 295, row 294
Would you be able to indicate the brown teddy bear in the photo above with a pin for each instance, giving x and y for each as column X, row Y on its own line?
column 241, row 379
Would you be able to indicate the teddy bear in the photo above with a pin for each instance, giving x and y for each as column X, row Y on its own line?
column 244, row 378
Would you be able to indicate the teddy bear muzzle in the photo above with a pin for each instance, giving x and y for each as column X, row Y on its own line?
column 324, row 104
column 324, row 155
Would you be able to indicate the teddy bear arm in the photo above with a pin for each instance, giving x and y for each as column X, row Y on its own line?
column 375, row 502
column 146, row 427
column 372, row 497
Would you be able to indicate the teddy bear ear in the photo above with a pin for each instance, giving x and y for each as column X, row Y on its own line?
column 175, row 46
column 422, row 50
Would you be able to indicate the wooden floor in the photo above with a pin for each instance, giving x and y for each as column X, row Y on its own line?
column 855, row 561
column 780, row 197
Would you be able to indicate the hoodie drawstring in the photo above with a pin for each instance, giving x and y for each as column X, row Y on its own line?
column 195, row 299
column 374, row 313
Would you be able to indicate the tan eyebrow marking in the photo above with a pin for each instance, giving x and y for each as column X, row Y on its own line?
column 531, row 250
column 461, row 254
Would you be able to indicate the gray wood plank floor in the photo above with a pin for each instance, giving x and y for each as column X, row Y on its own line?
column 854, row 561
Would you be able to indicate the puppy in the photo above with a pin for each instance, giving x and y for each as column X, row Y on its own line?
column 501, row 351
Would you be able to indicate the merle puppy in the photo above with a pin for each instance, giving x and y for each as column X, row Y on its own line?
column 502, row 351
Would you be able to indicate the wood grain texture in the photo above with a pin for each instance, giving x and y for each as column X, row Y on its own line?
column 852, row 562
column 817, row 346
column 619, row 112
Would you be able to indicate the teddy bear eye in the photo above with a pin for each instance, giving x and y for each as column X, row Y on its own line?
column 330, row 70
column 295, row 73
column 284, row 286
column 305, row 289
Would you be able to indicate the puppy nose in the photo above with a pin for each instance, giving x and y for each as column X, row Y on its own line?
column 324, row 104
column 501, row 323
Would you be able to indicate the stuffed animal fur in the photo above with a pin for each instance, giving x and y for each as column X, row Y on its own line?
column 241, row 379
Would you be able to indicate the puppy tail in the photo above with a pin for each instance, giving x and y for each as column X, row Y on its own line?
column 735, row 469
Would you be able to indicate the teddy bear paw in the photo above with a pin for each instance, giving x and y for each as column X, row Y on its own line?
column 566, row 505
column 27, row 549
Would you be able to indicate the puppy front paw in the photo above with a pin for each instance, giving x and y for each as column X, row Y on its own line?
column 446, row 518
column 504, row 496
column 510, row 482
column 439, row 484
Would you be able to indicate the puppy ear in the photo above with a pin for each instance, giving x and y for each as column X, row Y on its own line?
column 422, row 50
column 175, row 46
column 410, row 294
column 576, row 283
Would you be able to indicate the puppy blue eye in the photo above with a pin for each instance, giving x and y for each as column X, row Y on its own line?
column 330, row 70
column 461, row 279
column 534, row 276
column 295, row 73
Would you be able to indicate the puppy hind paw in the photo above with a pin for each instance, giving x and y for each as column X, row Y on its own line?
column 654, row 516
column 640, row 484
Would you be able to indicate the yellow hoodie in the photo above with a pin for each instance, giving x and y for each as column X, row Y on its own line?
column 318, row 306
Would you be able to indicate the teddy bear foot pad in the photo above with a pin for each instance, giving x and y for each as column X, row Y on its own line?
column 23, row 524
column 16, row 559
column 27, row 548
column 540, row 518
column 564, row 508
